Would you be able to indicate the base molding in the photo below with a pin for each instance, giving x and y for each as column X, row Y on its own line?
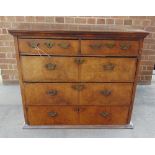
column 13, row 82
column 127, row 126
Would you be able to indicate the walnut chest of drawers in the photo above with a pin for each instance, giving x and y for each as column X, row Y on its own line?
column 78, row 78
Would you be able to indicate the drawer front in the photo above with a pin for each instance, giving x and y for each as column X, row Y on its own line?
column 108, row 69
column 73, row 115
column 109, row 47
column 49, row 46
column 50, row 94
column 106, row 94
column 52, row 115
column 54, row 69
column 71, row 93
column 100, row 115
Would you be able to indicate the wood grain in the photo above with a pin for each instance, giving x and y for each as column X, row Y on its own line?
column 92, row 115
column 88, row 115
column 106, row 94
column 109, row 47
column 72, row 49
column 41, row 94
column 39, row 115
column 93, row 70
column 34, row 69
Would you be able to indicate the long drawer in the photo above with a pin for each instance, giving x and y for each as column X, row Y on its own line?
column 74, row 93
column 77, row 69
column 71, row 115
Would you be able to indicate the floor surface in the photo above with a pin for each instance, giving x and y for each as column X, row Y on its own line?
column 11, row 118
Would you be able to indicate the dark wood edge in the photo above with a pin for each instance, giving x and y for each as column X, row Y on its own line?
column 83, row 34
column 20, row 78
column 136, row 80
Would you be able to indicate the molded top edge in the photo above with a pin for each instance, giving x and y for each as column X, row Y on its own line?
column 123, row 33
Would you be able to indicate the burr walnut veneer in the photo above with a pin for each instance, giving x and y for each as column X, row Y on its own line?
column 78, row 78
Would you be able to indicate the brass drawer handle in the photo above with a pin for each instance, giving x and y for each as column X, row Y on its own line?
column 125, row 46
column 50, row 66
column 106, row 92
column 78, row 87
column 52, row 114
column 77, row 109
column 49, row 44
column 110, row 44
column 104, row 114
column 79, row 60
column 95, row 46
column 109, row 67
column 34, row 44
column 52, row 92
column 64, row 45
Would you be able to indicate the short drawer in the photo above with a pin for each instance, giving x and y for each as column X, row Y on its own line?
column 109, row 47
column 103, row 115
column 54, row 69
column 98, row 69
column 52, row 115
column 50, row 94
column 48, row 46
column 106, row 94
